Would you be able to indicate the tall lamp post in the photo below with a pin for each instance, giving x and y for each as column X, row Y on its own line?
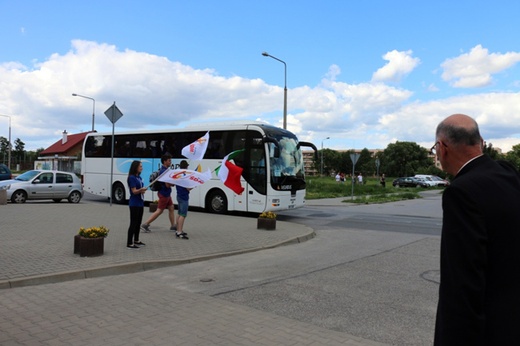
column 93, row 107
column 284, row 89
column 321, row 169
column 9, row 151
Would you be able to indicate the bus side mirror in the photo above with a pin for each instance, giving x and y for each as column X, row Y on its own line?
column 308, row 144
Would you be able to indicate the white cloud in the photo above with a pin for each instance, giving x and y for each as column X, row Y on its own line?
column 399, row 65
column 474, row 69
column 153, row 91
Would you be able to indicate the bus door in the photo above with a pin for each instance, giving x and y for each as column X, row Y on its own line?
column 256, row 172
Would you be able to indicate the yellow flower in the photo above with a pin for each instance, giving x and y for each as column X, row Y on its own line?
column 268, row 215
column 94, row 232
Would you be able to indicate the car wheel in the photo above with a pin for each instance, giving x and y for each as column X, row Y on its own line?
column 19, row 196
column 74, row 197
column 216, row 202
column 57, row 200
column 118, row 193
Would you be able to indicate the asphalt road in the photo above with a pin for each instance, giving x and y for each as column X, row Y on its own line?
column 371, row 271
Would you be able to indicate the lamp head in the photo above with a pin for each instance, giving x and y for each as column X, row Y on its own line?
column 265, row 54
column 74, row 94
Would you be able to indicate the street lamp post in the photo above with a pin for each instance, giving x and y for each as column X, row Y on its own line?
column 9, row 151
column 93, row 107
column 284, row 89
column 321, row 169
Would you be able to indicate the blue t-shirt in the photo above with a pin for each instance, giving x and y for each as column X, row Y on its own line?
column 136, row 200
column 182, row 193
column 164, row 191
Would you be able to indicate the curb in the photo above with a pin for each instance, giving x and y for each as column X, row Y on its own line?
column 136, row 267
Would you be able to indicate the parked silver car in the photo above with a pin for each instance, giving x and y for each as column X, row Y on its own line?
column 433, row 180
column 38, row 184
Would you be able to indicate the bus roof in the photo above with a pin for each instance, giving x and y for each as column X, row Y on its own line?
column 216, row 126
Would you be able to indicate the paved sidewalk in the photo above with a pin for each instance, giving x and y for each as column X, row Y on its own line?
column 44, row 303
column 38, row 241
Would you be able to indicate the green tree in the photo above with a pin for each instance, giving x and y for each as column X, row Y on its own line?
column 346, row 162
column 19, row 149
column 492, row 152
column 405, row 159
column 513, row 156
column 4, row 148
column 366, row 163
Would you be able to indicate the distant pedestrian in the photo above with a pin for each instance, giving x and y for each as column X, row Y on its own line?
column 360, row 179
column 338, row 178
column 183, row 197
column 382, row 180
column 165, row 199
column 136, row 204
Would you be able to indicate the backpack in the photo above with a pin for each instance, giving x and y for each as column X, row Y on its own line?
column 156, row 186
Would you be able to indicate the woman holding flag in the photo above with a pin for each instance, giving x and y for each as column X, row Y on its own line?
column 136, row 204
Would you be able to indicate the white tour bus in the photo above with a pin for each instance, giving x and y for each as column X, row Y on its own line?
column 272, row 162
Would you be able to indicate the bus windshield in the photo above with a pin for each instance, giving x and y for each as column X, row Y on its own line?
column 285, row 161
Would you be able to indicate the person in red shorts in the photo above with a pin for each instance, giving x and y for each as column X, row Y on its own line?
column 165, row 199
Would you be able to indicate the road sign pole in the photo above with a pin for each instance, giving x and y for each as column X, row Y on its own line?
column 113, row 114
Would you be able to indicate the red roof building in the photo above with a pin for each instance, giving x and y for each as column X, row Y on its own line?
column 65, row 154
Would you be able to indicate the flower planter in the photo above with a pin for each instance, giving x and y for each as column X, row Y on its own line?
column 77, row 237
column 268, row 224
column 90, row 247
column 153, row 207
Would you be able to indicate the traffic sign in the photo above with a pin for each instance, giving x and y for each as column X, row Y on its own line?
column 354, row 157
column 113, row 113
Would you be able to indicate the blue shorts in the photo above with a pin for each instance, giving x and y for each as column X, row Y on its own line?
column 182, row 205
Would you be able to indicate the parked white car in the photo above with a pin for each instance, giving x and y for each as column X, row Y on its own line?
column 433, row 180
column 38, row 184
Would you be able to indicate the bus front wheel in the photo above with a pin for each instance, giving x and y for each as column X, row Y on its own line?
column 118, row 193
column 216, row 202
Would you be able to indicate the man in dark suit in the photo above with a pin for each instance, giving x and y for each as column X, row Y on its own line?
column 479, row 293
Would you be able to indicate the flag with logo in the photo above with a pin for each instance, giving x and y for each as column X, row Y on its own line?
column 185, row 177
column 197, row 149
column 230, row 174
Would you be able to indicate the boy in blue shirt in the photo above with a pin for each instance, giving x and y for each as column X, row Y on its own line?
column 183, row 197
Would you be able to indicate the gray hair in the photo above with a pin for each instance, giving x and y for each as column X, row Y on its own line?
column 459, row 135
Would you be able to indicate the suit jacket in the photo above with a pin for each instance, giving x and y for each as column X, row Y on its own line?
column 479, row 293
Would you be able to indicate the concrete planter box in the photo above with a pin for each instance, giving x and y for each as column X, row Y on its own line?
column 268, row 224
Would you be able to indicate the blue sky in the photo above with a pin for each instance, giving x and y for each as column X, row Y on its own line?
column 364, row 73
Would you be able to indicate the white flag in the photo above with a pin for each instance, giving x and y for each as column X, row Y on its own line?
column 185, row 178
column 197, row 149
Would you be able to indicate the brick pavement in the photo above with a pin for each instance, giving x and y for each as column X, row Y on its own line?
column 106, row 309
column 37, row 241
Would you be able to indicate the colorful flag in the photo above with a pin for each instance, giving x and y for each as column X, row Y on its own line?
column 197, row 149
column 229, row 173
column 185, row 178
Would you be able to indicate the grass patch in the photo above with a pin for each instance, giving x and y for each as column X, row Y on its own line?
column 370, row 192
column 399, row 196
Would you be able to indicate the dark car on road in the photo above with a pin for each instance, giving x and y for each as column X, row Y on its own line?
column 5, row 172
column 409, row 182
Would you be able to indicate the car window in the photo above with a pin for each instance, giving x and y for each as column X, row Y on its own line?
column 62, row 178
column 46, row 178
